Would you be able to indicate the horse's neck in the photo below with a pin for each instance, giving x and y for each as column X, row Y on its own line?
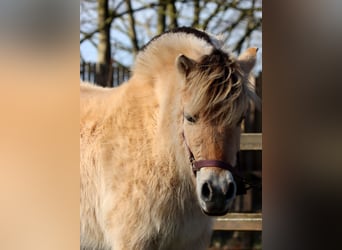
column 169, row 125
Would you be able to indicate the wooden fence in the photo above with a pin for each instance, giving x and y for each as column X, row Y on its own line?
column 91, row 72
column 247, row 215
column 243, row 221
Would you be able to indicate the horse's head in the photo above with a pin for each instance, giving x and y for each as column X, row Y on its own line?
column 215, row 98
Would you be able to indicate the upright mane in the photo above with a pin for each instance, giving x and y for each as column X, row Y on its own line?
column 160, row 53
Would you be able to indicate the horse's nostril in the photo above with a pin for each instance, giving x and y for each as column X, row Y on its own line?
column 230, row 191
column 206, row 192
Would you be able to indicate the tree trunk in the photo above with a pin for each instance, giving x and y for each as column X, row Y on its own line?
column 161, row 16
column 132, row 32
column 172, row 11
column 103, row 50
column 197, row 11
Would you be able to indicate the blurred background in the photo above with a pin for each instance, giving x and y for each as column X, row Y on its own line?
column 111, row 34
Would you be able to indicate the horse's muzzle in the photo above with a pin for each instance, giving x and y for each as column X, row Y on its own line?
column 216, row 196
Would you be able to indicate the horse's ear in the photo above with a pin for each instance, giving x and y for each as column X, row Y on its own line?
column 184, row 64
column 247, row 59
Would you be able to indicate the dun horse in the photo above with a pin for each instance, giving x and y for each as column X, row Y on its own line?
column 158, row 152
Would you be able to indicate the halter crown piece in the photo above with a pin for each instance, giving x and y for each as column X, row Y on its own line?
column 197, row 165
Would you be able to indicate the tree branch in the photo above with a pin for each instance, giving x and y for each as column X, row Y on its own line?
column 212, row 15
column 251, row 26
column 112, row 16
column 90, row 39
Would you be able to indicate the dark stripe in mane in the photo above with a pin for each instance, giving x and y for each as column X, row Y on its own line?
column 222, row 94
column 186, row 30
column 217, row 59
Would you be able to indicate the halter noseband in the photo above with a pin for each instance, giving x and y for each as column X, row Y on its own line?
column 241, row 182
column 197, row 165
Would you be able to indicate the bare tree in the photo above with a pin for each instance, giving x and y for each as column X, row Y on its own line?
column 122, row 27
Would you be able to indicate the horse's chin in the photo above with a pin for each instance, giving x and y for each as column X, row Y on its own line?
column 214, row 213
column 213, row 209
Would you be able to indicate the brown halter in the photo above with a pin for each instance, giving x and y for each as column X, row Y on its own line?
column 241, row 182
column 197, row 165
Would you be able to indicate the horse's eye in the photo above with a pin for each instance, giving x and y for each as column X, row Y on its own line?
column 190, row 118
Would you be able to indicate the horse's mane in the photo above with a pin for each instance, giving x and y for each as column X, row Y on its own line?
column 161, row 52
column 222, row 90
column 185, row 30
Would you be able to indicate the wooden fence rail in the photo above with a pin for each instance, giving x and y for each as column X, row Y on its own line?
column 251, row 141
column 239, row 222
column 243, row 221
column 115, row 74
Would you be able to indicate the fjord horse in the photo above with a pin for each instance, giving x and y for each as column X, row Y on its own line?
column 158, row 152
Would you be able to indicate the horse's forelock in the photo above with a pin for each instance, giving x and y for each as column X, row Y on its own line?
column 220, row 91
